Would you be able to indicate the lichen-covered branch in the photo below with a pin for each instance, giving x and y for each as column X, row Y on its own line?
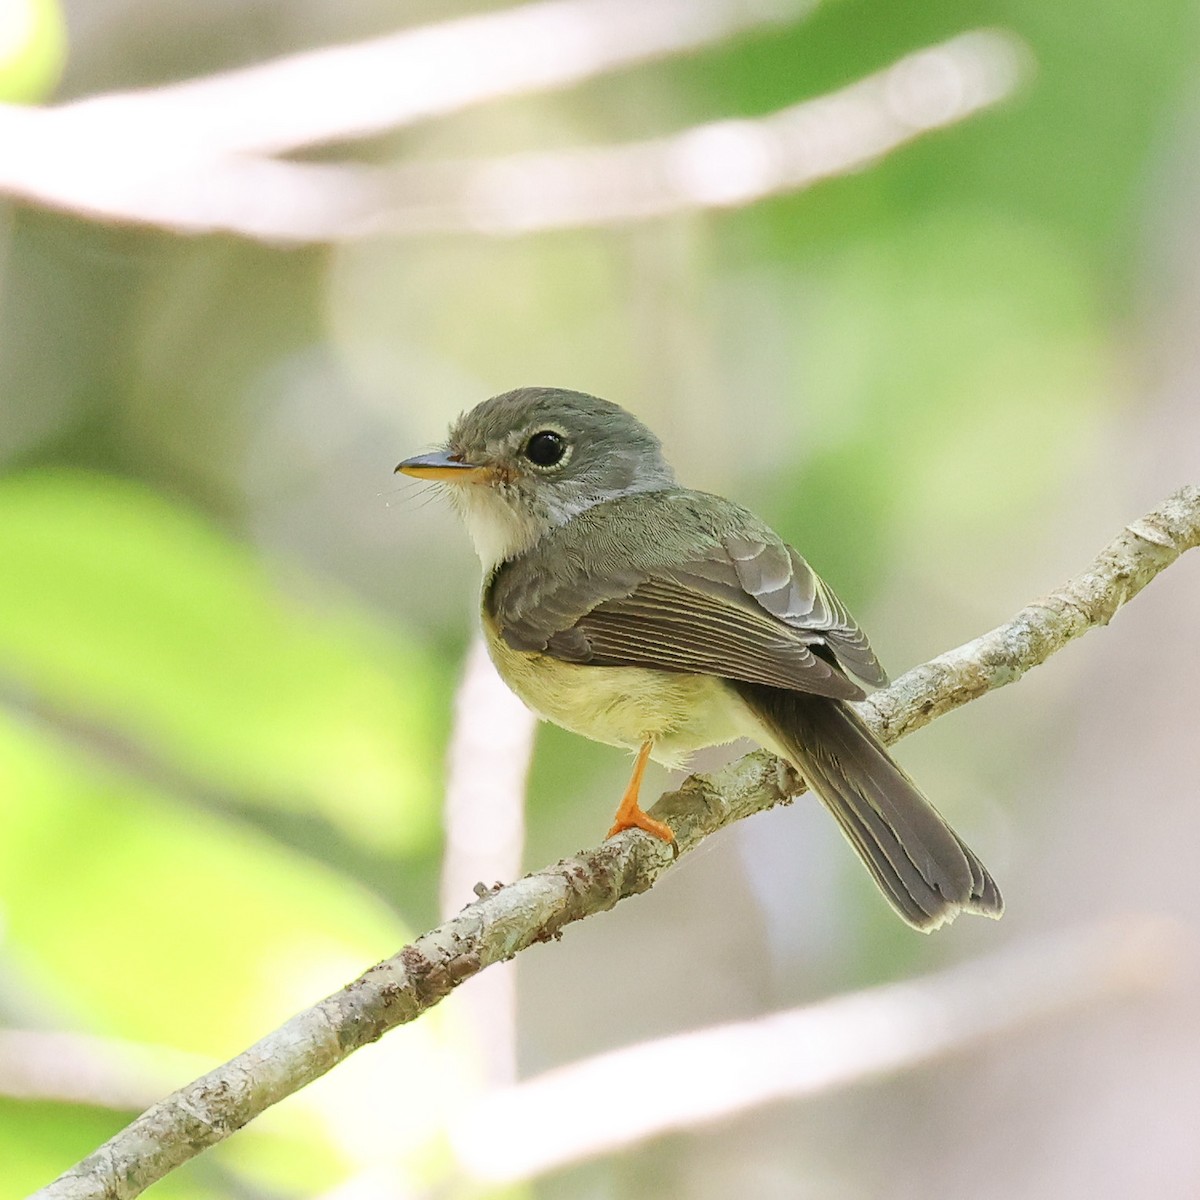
column 1134, row 557
column 503, row 922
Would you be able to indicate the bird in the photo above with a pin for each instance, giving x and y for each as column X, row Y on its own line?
column 639, row 613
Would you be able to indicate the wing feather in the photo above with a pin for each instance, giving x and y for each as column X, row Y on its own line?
column 743, row 605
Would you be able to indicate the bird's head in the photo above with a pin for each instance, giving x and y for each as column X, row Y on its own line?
column 521, row 463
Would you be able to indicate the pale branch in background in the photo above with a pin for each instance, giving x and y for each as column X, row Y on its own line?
column 566, row 1115
column 167, row 155
column 537, row 908
column 340, row 93
column 487, row 763
column 77, row 1068
column 723, row 164
column 484, row 818
column 195, row 157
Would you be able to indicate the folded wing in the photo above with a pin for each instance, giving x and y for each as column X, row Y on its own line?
column 745, row 607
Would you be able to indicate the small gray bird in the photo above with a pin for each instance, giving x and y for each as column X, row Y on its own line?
column 635, row 612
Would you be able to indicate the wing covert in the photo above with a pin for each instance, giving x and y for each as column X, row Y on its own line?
column 736, row 602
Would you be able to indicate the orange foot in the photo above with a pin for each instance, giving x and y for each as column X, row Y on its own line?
column 629, row 814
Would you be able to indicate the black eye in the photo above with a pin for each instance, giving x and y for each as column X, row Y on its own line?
column 546, row 448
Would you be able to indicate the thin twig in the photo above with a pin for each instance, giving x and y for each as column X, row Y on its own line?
column 538, row 907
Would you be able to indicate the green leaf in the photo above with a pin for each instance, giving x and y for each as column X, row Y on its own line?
column 161, row 922
column 33, row 48
column 138, row 616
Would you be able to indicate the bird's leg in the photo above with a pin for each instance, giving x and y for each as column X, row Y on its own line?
column 629, row 814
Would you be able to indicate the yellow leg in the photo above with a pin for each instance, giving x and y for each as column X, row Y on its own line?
column 630, row 815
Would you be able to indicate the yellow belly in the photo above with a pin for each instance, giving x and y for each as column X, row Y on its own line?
column 625, row 706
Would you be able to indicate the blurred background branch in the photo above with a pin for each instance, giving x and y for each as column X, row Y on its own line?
column 191, row 157
column 535, row 909
column 339, row 93
column 71, row 1068
column 484, row 818
column 187, row 155
column 568, row 1115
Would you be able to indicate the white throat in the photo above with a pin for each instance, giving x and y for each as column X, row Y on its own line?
column 497, row 530
column 501, row 531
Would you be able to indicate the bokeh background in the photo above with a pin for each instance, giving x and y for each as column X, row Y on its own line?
column 230, row 640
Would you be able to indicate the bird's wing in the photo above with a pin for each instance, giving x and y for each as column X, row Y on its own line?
column 788, row 588
column 740, row 605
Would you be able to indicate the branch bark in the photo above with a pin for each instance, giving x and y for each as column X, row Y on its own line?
column 503, row 922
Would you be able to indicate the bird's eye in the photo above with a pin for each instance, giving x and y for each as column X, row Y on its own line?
column 546, row 448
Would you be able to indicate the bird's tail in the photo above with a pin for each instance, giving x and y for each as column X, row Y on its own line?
column 921, row 865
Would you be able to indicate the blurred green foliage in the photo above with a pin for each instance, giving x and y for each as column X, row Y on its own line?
column 228, row 642
column 236, row 685
column 33, row 44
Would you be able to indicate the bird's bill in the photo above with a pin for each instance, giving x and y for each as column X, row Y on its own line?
column 441, row 465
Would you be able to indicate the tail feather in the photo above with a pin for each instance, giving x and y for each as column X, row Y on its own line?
column 921, row 865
